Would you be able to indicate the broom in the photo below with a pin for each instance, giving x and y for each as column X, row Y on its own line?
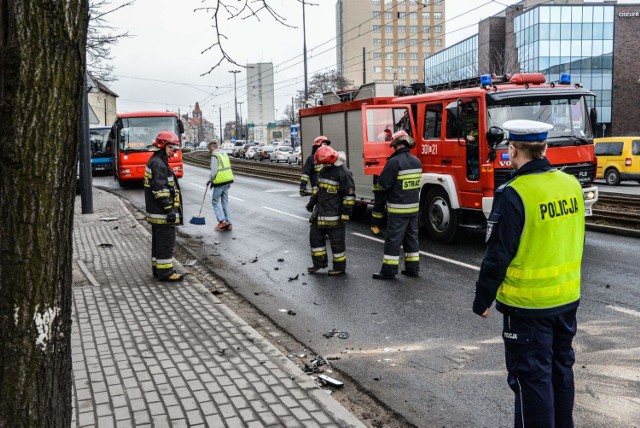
column 200, row 220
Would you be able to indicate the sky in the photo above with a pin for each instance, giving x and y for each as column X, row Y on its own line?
column 162, row 65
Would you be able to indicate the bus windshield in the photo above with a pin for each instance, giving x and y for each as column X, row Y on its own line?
column 567, row 113
column 136, row 133
column 100, row 146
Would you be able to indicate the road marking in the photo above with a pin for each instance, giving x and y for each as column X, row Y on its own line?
column 285, row 213
column 424, row 253
column 277, row 190
column 237, row 199
column 624, row 310
column 197, row 185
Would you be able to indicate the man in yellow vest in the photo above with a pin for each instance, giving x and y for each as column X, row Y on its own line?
column 535, row 238
column 220, row 181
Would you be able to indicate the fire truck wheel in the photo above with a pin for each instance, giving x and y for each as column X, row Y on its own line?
column 437, row 215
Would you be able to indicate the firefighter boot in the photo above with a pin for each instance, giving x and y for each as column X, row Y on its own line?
column 411, row 273
column 314, row 268
column 174, row 277
column 336, row 272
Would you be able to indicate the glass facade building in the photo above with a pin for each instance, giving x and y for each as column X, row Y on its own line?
column 570, row 39
column 457, row 62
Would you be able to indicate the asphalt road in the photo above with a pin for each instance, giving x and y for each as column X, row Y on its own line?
column 414, row 343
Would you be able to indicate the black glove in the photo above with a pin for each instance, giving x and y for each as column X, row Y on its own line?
column 303, row 192
column 171, row 217
column 310, row 206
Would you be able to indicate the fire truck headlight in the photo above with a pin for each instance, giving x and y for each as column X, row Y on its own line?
column 125, row 157
column 589, row 196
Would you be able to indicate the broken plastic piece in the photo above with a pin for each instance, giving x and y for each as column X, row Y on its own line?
column 291, row 312
column 327, row 380
column 280, row 260
column 293, row 278
column 105, row 245
column 254, row 260
column 109, row 219
column 191, row 262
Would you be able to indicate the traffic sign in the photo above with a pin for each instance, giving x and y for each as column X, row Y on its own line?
column 294, row 131
column 250, row 125
column 271, row 125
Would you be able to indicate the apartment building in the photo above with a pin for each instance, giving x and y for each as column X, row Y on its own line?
column 388, row 40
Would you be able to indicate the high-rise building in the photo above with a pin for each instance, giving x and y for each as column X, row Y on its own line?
column 388, row 40
column 260, row 99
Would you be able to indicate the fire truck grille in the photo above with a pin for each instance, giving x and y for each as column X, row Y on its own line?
column 584, row 172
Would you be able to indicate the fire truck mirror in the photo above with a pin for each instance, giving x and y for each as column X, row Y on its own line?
column 495, row 135
column 180, row 127
column 593, row 118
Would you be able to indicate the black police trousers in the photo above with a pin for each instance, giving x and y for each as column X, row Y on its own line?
column 317, row 240
column 401, row 230
column 163, row 239
column 540, row 362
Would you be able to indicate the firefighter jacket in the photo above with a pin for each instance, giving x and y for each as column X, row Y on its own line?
column 400, row 182
column 310, row 172
column 335, row 197
column 161, row 190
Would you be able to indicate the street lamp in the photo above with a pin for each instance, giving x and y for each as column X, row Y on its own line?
column 304, row 37
column 235, row 95
column 242, row 133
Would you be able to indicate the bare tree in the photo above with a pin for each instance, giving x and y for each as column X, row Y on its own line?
column 290, row 114
column 42, row 59
column 320, row 83
column 503, row 61
column 225, row 12
column 101, row 37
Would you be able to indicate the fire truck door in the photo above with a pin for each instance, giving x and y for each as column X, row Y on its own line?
column 378, row 124
column 430, row 145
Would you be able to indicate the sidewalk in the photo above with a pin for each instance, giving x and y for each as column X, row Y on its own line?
column 148, row 353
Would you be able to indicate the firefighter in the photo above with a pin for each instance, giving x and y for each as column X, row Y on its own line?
column 331, row 208
column 310, row 169
column 164, row 205
column 400, row 182
column 531, row 267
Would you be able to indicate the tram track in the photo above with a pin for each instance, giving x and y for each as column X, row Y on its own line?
column 611, row 210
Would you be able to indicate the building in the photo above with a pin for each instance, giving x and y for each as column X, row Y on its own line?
column 387, row 40
column 260, row 99
column 205, row 129
column 102, row 101
column 594, row 42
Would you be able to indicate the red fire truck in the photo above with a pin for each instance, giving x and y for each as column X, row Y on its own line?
column 458, row 139
column 131, row 134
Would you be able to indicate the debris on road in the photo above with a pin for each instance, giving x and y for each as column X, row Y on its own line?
column 293, row 278
column 105, row 245
column 328, row 380
column 335, row 332
column 190, row 263
column 314, row 365
column 115, row 227
column 254, row 260
column 105, row 219
column 377, row 377
column 276, row 268
column 291, row 312
column 280, row 260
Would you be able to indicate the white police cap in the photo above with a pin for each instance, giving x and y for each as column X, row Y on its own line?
column 527, row 130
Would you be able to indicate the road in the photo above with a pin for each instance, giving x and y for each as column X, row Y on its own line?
column 414, row 343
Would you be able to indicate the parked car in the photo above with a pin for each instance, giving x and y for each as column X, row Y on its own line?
column 264, row 153
column 280, row 154
column 295, row 157
column 618, row 159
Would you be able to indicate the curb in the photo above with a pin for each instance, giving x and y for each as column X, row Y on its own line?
column 612, row 230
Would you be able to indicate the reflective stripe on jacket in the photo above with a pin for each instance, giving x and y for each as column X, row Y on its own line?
column 545, row 272
column 335, row 196
column 400, row 182
column 224, row 173
column 161, row 190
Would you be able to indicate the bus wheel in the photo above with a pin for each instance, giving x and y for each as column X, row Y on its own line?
column 437, row 215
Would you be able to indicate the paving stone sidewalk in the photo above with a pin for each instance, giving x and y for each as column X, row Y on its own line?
column 147, row 353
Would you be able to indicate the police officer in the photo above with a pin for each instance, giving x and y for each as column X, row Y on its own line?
column 331, row 206
column 535, row 238
column 163, row 205
column 310, row 169
column 400, row 182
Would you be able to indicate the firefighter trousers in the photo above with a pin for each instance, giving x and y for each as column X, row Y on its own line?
column 401, row 230
column 379, row 207
column 317, row 240
column 163, row 239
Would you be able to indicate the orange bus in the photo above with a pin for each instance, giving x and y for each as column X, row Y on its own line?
column 132, row 133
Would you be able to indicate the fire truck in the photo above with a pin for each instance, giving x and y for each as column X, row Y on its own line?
column 130, row 136
column 459, row 140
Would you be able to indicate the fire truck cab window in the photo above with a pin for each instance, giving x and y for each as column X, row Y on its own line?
column 433, row 122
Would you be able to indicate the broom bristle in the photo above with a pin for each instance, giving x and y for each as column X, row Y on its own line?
column 197, row 220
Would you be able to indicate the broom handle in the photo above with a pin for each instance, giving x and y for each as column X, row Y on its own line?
column 203, row 198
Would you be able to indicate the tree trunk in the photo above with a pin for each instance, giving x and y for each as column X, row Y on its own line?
column 42, row 56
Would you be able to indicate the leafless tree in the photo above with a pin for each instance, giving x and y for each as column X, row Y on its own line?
column 290, row 114
column 503, row 61
column 320, row 83
column 101, row 37
column 226, row 12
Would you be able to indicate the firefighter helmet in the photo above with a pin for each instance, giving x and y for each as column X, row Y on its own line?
column 164, row 138
column 321, row 139
column 401, row 137
column 325, row 154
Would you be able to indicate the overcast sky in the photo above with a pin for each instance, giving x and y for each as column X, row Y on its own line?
column 161, row 66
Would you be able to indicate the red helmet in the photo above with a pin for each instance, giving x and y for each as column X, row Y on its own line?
column 164, row 138
column 320, row 140
column 402, row 137
column 325, row 154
